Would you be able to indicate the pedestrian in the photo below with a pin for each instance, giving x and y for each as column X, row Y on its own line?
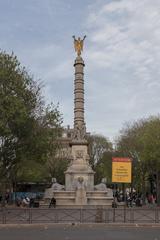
column 52, row 203
column 18, row 202
column 31, row 203
column 7, row 197
column 25, row 202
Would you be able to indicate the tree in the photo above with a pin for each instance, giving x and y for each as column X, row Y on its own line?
column 99, row 153
column 129, row 145
column 57, row 157
column 141, row 142
column 56, row 164
column 44, row 144
column 104, row 167
column 151, row 141
column 18, row 101
column 26, row 125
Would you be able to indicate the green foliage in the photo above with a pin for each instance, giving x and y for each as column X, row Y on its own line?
column 98, row 145
column 27, row 127
column 104, row 167
column 17, row 102
column 100, row 152
column 56, row 167
column 141, row 142
column 32, row 171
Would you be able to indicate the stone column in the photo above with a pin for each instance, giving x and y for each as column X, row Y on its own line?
column 79, row 93
column 79, row 167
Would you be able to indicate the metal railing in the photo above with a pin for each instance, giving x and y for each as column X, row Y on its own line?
column 79, row 215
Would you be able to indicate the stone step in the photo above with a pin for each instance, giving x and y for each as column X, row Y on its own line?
column 64, row 197
column 107, row 198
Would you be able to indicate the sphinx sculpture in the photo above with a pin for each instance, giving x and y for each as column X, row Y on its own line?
column 101, row 186
column 56, row 186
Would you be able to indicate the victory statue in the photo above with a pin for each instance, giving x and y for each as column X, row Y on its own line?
column 78, row 44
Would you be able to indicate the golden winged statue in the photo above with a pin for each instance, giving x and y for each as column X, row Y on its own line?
column 78, row 44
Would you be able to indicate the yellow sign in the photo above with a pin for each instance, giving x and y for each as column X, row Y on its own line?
column 121, row 170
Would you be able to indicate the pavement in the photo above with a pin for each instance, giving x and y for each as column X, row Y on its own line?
column 80, row 232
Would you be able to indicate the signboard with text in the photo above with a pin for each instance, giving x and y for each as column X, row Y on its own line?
column 121, row 170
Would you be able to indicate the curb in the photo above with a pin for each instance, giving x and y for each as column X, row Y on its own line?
column 47, row 225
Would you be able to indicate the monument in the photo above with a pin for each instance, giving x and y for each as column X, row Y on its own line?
column 79, row 177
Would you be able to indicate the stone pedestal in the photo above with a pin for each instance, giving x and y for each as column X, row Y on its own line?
column 79, row 167
column 81, row 198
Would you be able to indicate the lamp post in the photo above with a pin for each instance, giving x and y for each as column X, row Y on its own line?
column 158, row 186
column 135, row 161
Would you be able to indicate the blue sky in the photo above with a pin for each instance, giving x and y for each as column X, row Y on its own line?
column 121, row 53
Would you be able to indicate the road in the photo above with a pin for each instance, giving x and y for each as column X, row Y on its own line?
column 78, row 232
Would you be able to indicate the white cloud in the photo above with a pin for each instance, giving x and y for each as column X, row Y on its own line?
column 125, row 30
column 124, row 48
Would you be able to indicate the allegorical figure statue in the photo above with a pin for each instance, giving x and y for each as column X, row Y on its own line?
column 78, row 44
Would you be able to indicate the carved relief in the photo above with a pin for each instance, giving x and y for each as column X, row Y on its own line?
column 79, row 132
column 80, row 184
column 79, row 154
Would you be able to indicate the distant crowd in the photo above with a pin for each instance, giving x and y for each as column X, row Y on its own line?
column 135, row 199
column 25, row 201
